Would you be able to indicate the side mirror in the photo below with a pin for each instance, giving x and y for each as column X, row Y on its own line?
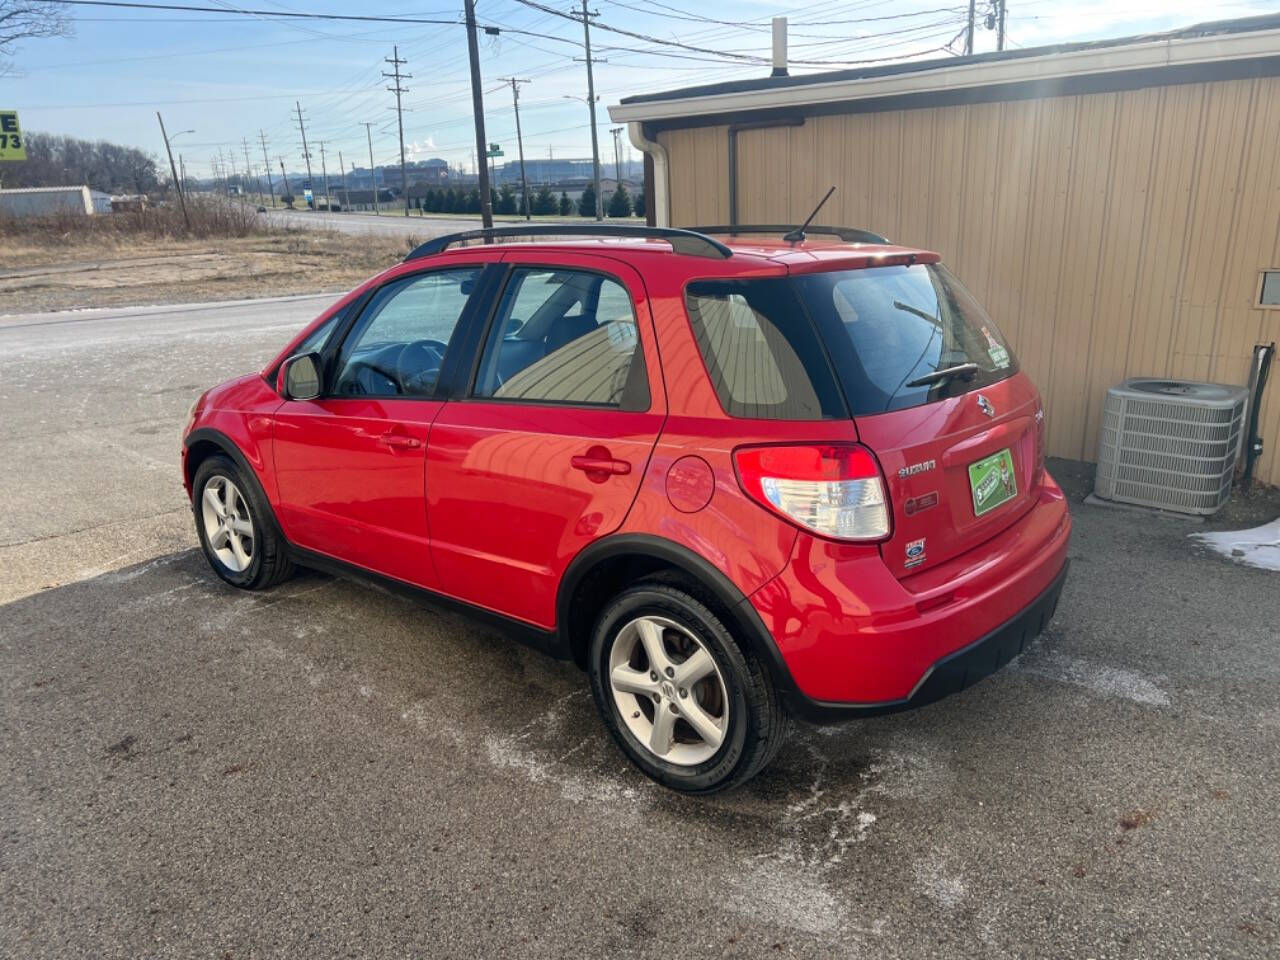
column 301, row 377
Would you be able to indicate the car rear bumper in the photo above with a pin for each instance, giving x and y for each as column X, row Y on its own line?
column 966, row 666
column 851, row 639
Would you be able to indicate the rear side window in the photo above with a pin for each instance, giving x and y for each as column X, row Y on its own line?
column 761, row 351
column 887, row 326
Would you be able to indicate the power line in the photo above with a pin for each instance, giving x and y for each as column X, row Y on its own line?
column 284, row 14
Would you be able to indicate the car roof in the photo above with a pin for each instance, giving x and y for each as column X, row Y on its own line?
column 753, row 253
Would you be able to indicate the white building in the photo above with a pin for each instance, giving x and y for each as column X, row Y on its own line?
column 47, row 201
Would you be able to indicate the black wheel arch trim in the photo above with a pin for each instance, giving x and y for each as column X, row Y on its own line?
column 228, row 446
column 747, row 624
column 223, row 442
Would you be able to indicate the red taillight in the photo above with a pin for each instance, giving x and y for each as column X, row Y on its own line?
column 833, row 490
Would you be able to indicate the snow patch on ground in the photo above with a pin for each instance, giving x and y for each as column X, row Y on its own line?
column 512, row 754
column 1097, row 678
column 524, row 751
column 786, row 896
column 1256, row 547
column 939, row 884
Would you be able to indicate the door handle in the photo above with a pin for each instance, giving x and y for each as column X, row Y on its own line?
column 399, row 441
column 605, row 465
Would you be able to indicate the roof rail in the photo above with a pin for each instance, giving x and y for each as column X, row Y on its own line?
column 682, row 241
column 846, row 234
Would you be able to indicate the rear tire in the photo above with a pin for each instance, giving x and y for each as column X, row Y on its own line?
column 683, row 700
column 236, row 528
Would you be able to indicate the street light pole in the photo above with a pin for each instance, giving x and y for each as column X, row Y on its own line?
column 173, row 168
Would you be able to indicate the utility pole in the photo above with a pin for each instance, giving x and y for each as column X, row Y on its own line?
column 524, row 182
column 395, row 62
column 373, row 171
column 968, row 37
column 324, row 172
column 346, row 197
column 266, row 162
column 591, row 103
column 477, row 108
column 285, row 176
column 177, row 184
column 248, row 167
column 306, row 154
column 182, row 173
column 1001, row 6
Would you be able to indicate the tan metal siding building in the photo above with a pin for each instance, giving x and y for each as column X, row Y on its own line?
column 1113, row 205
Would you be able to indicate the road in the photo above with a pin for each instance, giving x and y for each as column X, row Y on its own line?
column 328, row 771
column 388, row 222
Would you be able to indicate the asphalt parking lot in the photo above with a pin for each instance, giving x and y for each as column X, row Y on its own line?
column 329, row 771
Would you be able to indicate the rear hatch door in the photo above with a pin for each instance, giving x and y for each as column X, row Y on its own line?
column 959, row 450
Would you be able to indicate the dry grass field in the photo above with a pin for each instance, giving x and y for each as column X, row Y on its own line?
column 66, row 263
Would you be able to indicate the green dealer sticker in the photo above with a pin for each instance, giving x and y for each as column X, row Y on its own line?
column 992, row 482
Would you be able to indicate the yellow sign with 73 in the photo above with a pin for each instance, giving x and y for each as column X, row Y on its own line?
column 11, row 145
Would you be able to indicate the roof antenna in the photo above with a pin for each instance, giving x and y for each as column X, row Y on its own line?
column 797, row 235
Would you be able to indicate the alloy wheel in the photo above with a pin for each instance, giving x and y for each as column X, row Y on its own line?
column 668, row 690
column 228, row 527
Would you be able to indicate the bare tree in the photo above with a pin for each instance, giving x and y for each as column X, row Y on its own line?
column 27, row 20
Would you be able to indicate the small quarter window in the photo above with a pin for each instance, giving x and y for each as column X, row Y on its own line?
column 761, row 350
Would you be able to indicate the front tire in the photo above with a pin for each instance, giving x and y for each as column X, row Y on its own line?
column 683, row 700
column 235, row 527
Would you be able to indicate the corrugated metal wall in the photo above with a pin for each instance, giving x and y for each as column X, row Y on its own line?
column 1110, row 235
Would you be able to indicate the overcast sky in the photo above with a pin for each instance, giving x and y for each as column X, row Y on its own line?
column 229, row 76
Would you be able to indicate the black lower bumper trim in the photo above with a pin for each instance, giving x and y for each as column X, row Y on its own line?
column 955, row 671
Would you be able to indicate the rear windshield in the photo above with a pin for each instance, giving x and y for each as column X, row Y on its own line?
column 885, row 327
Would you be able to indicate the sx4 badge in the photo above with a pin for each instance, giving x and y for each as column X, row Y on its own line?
column 915, row 553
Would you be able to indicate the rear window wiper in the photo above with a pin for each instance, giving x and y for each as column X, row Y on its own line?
column 963, row 371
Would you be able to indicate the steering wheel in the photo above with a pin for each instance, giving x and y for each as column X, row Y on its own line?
column 362, row 378
column 418, row 365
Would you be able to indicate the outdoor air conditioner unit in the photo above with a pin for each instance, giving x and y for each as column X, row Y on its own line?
column 1170, row 444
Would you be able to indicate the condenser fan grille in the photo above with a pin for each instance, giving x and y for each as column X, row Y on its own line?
column 1170, row 444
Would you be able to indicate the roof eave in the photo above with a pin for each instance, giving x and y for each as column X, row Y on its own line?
column 1051, row 66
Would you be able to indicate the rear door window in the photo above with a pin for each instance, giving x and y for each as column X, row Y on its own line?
column 887, row 326
column 761, row 351
column 565, row 336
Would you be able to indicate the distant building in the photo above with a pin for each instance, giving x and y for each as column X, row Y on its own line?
column 48, row 201
column 128, row 202
column 362, row 199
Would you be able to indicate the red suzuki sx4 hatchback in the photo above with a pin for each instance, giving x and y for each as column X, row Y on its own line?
column 734, row 482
